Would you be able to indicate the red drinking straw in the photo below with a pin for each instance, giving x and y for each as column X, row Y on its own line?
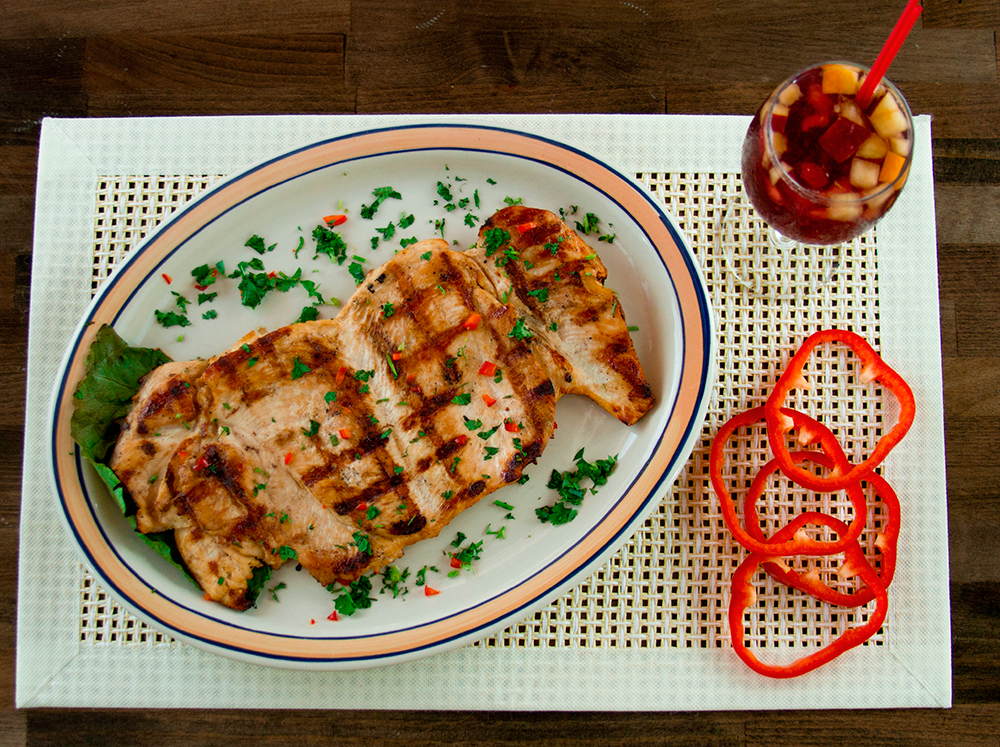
column 888, row 53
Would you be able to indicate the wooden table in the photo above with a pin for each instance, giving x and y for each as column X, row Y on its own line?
column 141, row 58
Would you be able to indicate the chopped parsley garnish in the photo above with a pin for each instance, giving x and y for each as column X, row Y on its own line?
column 258, row 244
column 454, row 464
column 444, row 192
column 381, row 195
column 589, row 224
column 330, row 397
column 499, row 533
column 171, row 319
column 472, row 425
column 286, row 553
column 210, row 314
column 203, row 276
column 355, row 597
column 633, row 328
column 471, row 220
column 405, row 221
column 425, row 256
column 253, row 285
column 388, row 309
column 181, row 301
column 364, row 375
column 553, row 246
column 512, row 201
column 542, row 294
column 504, row 506
column 491, row 451
column 439, row 226
column 392, row 577
column 608, row 237
column 329, row 243
column 372, row 512
column 467, row 554
column 206, row 298
column 520, row 332
column 462, row 399
column 299, row 369
column 309, row 314
column 388, row 232
column 567, row 484
column 363, row 542
column 447, row 496
column 421, row 577
column 251, row 362
column 406, row 242
column 494, row 238
column 274, row 590
column 357, row 272
column 312, row 430
column 486, row 434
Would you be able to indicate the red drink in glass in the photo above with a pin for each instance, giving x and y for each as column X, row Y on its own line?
column 818, row 167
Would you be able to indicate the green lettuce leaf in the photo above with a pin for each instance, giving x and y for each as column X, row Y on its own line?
column 113, row 371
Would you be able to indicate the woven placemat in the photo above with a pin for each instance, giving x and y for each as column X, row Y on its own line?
column 668, row 586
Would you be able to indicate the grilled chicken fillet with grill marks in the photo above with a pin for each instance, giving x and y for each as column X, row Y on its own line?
column 346, row 440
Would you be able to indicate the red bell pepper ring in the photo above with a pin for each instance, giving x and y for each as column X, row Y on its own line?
column 873, row 369
column 810, row 582
column 743, row 596
column 796, row 545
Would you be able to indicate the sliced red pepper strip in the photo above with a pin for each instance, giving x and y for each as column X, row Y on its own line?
column 472, row 322
column 743, row 596
column 810, row 583
column 873, row 369
column 796, row 545
column 335, row 220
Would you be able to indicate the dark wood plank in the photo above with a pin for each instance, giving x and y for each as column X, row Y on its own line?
column 33, row 20
column 299, row 100
column 488, row 97
column 961, row 14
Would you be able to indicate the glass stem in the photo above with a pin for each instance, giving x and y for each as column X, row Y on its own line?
column 781, row 243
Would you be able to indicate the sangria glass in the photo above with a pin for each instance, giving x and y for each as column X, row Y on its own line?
column 821, row 167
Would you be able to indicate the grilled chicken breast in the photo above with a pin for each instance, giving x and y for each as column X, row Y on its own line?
column 337, row 443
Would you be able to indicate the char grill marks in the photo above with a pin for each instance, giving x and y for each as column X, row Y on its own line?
column 557, row 281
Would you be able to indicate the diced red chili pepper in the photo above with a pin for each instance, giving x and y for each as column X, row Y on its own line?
column 429, row 592
column 396, row 356
column 182, row 454
column 362, row 506
column 200, row 464
column 167, row 278
column 490, row 401
column 345, row 433
column 873, row 368
column 797, row 545
column 312, row 620
column 335, row 220
column 488, row 368
column 743, row 596
column 272, row 275
column 341, row 373
column 472, row 322
column 455, row 562
column 333, row 616
column 460, row 440
column 289, row 457
column 200, row 287
column 555, row 426
column 525, row 227
column 510, row 426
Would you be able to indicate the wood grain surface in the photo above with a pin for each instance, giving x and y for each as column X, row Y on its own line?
column 93, row 58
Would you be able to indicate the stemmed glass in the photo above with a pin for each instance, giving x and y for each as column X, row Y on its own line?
column 820, row 163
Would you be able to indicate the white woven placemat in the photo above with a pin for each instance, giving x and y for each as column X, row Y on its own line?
column 648, row 631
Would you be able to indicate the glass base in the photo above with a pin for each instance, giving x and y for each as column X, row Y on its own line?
column 767, row 263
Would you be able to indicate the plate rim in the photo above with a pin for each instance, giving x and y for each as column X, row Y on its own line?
column 546, row 592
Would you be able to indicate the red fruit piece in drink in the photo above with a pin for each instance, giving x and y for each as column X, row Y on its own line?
column 843, row 138
column 812, row 175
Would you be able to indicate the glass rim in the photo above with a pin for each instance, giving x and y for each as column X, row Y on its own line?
column 812, row 194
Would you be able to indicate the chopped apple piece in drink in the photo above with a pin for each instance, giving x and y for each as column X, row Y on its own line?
column 891, row 167
column 780, row 143
column 887, row 118
column 840, row 79
column 874, row 148
column 876, row 198
column 844, row 207
column 849, row 110
column 864, row 174
column 774, row 174
column 779, row 117
column 790, row 95
column 900, row 145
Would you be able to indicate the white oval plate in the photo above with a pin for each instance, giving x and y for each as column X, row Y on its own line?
column 650, row 266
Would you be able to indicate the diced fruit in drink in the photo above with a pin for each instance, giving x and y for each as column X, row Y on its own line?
column 891, row 167
column 849, row 110
column 887, row 118
column 864, row 174
column 819, row 101
column 900, row 145
column 813, row 175
column 840, row 79
column 780, row 143
column 790, row 94
column 814, row 122
column 844, row 207
column 774, row 174
column 779, row 117
column 874, row 148
column 843, row 138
